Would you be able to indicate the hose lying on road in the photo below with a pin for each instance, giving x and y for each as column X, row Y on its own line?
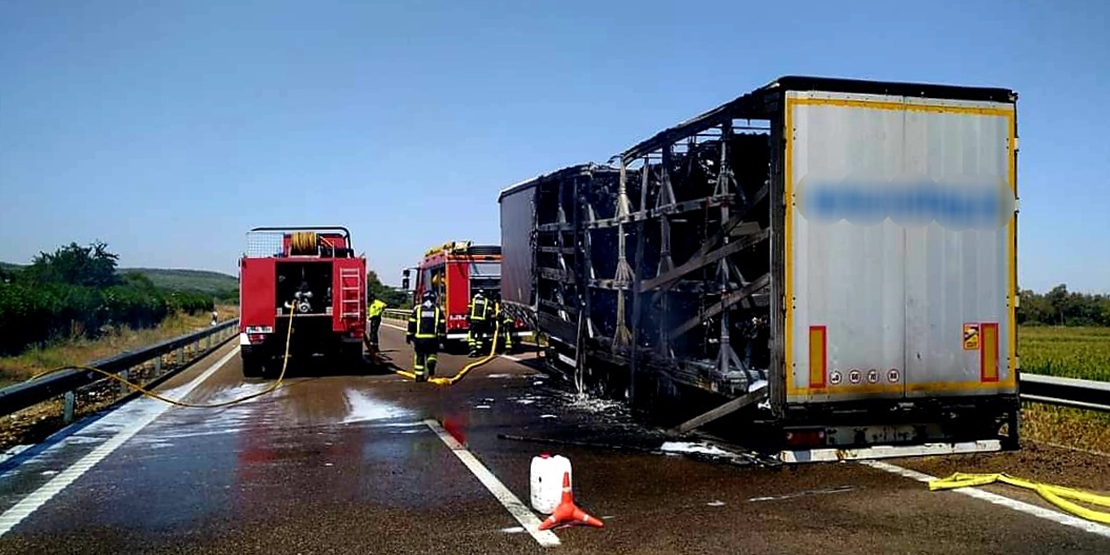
column 153, row 395
column 453, row 379
column 1053, row 494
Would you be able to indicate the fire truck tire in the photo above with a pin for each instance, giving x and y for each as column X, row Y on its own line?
column 350, row 356
column 252, row 366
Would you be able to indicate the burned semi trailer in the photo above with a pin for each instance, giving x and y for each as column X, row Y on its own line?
column 829, row 263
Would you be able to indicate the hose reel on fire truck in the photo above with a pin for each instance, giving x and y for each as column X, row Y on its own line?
column 303, row 243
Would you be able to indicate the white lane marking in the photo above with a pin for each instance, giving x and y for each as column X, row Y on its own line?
column 1040, row 512
column 512, row 358
column 31, row 503
column 523, row 515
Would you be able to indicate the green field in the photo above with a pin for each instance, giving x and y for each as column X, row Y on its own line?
column 1072, row 352
column 201, row 281
column 188, row 280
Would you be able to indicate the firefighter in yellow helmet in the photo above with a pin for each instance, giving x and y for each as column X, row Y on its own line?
column 427, row 327
column 478, row 320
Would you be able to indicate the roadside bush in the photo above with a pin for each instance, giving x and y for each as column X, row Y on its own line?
column 76, row 293
column 191, row 302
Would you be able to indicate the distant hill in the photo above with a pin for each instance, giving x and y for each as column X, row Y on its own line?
column 203, row 281
column 196, row 280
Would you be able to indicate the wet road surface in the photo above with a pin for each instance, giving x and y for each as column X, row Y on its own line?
column 346, row 463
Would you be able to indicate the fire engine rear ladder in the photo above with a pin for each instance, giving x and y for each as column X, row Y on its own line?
column 350, row 293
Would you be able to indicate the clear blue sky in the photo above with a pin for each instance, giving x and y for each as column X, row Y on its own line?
column 167, row 129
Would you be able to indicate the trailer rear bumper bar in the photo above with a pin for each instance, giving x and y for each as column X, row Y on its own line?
column 888, row 451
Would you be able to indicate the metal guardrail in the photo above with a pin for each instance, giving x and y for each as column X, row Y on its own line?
column 1066, row 392
column 395, row 314
column 32, row 392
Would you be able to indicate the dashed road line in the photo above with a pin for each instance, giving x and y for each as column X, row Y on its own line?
column 31, row 503
column 520, row 512
column 1039, row 512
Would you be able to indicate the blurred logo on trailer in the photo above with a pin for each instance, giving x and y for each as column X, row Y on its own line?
column 855, row 376
column 955, row 202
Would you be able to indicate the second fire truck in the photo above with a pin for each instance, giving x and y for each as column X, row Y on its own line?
column 455, row 271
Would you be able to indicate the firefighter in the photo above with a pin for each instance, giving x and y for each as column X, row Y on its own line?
column 478, row 320
column 507, row 322
column 375, row 311
column 499, row 315
column 427, row 327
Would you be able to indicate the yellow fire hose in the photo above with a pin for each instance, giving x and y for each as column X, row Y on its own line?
column 1053, row 494
column 453, row 379
column 151, row 394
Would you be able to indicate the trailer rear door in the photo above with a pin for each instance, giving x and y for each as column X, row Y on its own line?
column 900, row 243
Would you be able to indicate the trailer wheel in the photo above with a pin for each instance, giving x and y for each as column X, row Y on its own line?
column 1012, row 441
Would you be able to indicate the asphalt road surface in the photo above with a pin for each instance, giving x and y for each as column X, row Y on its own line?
column 352, row 462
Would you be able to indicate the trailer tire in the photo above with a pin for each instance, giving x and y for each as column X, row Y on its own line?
column 1012, row 441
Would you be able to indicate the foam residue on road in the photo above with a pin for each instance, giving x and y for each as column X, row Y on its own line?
column 240, row 391
column 365, row 408
column 590, row 404
column 682, row 447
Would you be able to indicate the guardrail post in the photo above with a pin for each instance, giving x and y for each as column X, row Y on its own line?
column 70, row 406
column 158, row 366
column 181, row 356
column 125, row 374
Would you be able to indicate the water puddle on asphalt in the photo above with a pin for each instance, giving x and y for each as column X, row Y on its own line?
column 365, row 408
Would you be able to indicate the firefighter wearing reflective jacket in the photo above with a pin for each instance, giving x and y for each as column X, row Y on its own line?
column 478, row 322
column 427, row 327
column 375, row 311
column 505, row 341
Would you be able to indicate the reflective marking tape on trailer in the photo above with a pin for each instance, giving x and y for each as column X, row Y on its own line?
column 833, row 454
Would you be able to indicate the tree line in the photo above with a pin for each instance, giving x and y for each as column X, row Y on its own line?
column 1060, row 307
column 77, row 292
column 393, row 297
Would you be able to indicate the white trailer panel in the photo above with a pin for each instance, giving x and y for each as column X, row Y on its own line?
column 900, row 247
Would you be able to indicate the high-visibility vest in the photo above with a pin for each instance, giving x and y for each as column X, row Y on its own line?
column 427, row 320
column 478, row 308
column 376, row 308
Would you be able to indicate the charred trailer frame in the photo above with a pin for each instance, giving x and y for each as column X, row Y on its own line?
column 730, row 261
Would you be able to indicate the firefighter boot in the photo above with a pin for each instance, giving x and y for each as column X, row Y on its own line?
column 472, row 342
column 418, row 367
column 432, row 360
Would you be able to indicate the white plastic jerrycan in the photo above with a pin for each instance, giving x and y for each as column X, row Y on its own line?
column 547, row 481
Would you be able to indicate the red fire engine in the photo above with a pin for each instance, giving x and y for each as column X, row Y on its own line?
column 312, row 269
column 455, row 271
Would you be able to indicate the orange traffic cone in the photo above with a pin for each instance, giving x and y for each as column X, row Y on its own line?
column 456, row 427
column 567, row 512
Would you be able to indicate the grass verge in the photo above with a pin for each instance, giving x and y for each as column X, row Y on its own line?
column 1067, row 427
